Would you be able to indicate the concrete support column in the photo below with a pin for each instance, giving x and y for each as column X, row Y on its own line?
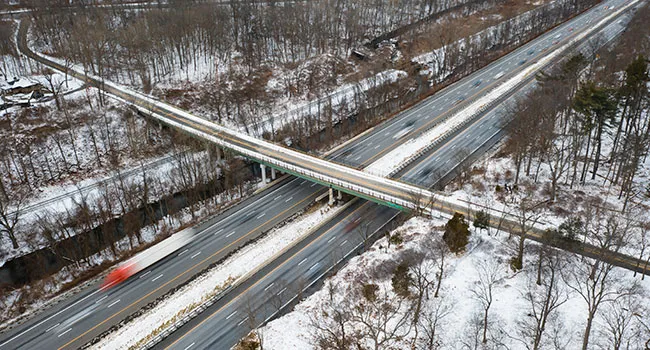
column 263, row 167
column 272, row 173
column 331, row 202
column 219, row 154
column 339, row 196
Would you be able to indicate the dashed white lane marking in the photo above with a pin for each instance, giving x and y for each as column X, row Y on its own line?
column 357, row 158
column 143, row 275
column 261, row 216
column 113, row 303
column 343, row 243
column 331, row 239
column 47, row 319
column 102, row 298
column 302, row 262
column 69, row 329
column 183, row 252
column 231, row 315
column 51, row 328
column 269, row 286
column 195, row 255
column 454, row 147
column 282, row 291
column 189, row 346
column 242, row 321
column 278, row 197
column 386, row 133
column 153, row 280
column 218, row 232
column 288, row 199
column 377, row 146
column 313, row 266
column 314, row 184
column 230, row 234
column 302, row 183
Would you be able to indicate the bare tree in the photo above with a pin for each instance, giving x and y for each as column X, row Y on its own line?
column 383, row 320
column 488, row 275
column 619, row 329
column 331, row 328
column 528, row 214
column 430, row 321
column 54, row 86
column 544, row 299
column 10, row 212
column 595, row 279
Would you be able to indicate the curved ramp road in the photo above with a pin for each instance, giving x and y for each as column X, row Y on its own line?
column 87, row 314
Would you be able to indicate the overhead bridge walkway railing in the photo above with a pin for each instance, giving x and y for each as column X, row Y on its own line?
column 336, row 176
column 372, row 187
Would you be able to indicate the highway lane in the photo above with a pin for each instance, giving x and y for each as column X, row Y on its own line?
column 435, row 165
column 432, row 111
column 368, row 186
column 90, row 312
column 222, row 325
column 141, row 289
column 280, row 281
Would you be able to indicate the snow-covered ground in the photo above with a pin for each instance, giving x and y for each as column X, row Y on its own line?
column 347, row 93
column 244, row 261
column 457, row 328
column 405, row 152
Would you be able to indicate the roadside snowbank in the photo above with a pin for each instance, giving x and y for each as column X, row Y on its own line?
column 244, row 261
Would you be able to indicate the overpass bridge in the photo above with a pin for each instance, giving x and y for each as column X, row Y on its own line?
column 339, row 177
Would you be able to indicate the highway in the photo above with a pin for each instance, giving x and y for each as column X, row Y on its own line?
column 89, row 313
column 260, row 297
column 334, row 175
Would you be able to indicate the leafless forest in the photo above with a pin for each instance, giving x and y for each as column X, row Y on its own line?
column 238, row 63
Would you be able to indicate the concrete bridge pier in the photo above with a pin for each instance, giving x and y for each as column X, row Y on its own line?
column 331, row 201
column 219, row 154
column 272, row 173
column 263, row 167
column 339, row 195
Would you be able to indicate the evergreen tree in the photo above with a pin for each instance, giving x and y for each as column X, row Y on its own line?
column 482, row 220
column 598, row 107
column 456, row 233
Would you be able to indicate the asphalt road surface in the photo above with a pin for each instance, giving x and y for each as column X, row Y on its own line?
column 78, row 319
column 285, row 278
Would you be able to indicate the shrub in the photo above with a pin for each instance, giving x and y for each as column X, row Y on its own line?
column 396, row 239
column 369, row 291
column 401, row 280
column 456, row 233
column 571, row 228
column 482, row 220
column 498, row 189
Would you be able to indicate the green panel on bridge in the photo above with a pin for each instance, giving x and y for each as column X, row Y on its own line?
column 360, row 195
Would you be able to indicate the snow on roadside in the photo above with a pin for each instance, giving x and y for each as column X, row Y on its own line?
column 509, row 307
column 343, row 94
column 403, row 153
column 244, row 261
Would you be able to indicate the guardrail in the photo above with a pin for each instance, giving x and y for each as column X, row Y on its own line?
column 187, row 318
column 384, row 189
column 572, row 44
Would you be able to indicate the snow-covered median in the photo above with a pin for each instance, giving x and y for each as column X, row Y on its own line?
column 404, row 153
column 191, row 295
